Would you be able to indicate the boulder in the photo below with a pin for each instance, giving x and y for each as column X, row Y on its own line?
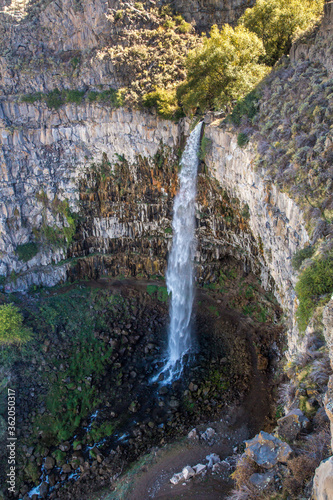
column 177, row 478
column 267, row 450
column 193, row 434
column 261, row 481
column 49, row 463
column 200, row 468
column 66, row 468
column 323, row 481
column 188, row 472
column 65, row 446
column 290, row 426
column 43, row 489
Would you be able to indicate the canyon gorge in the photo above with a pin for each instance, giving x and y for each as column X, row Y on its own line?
column 87, row 193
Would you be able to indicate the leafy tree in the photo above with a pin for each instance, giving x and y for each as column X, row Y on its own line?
column 12, row 330
column 277, row 21
column 225, row 68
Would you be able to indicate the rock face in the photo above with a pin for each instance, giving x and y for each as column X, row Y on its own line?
column 267, row 450
column 209, row 12
column 275, row 220
column 318, row 47
column 323, row 481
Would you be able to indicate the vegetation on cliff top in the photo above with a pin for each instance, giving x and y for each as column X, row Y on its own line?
column 224, row 69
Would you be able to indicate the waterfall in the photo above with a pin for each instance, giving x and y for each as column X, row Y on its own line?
column 180, row 274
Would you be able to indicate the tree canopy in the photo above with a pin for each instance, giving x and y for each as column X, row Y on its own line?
column 225, row 68
column 276, row 22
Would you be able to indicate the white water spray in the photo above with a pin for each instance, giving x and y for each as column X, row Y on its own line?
column 180, row 274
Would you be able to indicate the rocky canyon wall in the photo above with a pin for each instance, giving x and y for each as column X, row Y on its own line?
column 206, row 13
column 125, row 220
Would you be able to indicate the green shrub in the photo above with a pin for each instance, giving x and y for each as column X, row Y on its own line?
column 242, row 139
column 315, row 285
column 55, row 99
column 74, row 96
column 184, row 27
column 224, row 69
column 300, row 256
column 32, row 98
column 165, row 102
column 26, row 251
column 12, row 330
column 276, row 22
column 248, row 106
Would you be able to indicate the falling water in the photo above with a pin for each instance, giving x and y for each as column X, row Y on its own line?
column 180, row 275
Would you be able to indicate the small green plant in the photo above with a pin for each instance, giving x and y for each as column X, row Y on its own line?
column 242, row 139
column 139, row 5
column 204, row 147
column 27, row 251
column 12, row 330
column 300, row 256
column 32, row 98
column 246, row 212
column 315, row 285
column 119, row 15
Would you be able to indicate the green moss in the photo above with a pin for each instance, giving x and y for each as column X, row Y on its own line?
column 27, row 251
column 160, row 291
column 204, row 147
column 56, row 235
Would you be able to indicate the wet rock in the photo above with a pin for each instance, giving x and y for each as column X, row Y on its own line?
column 66, row 468
column 64, row 446
column 323, row 481
column 212, row 459
column 188, row 472
column 43, row 489
column 267, row 450
column 261, row 481
column 49, row 463
column 290, row 426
